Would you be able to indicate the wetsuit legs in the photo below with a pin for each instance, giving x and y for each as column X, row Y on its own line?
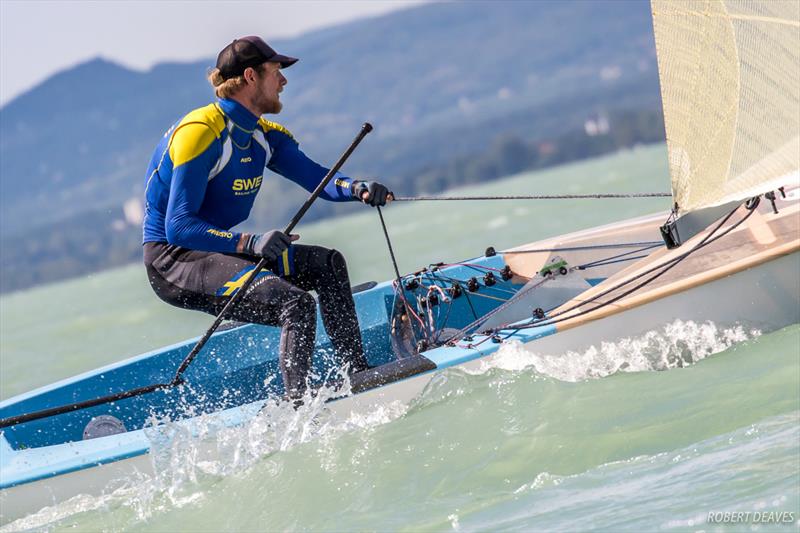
column 325, row 271
column 276, row 302
column 298, row 318
column 204, row 281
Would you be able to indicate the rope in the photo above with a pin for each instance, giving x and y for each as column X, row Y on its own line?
column 389, row 244
column 478, row 321
column 589, row 247
column 400, row 287
column 439, row 276
column 536, row 197
column 610, row 260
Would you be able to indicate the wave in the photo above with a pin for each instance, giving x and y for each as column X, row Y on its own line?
column 676, row 345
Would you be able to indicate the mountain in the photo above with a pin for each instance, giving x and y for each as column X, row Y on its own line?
column 441, row 82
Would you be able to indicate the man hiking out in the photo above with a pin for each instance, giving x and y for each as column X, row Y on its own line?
column 202, row 180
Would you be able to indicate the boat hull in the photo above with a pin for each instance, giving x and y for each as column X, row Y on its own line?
column 763, row 298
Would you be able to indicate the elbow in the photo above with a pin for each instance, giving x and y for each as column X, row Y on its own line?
column 175, row 234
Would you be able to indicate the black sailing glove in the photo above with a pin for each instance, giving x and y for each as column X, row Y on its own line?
column 371, row 192
column 269, row 245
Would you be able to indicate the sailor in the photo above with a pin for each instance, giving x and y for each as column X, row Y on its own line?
column 201, row 182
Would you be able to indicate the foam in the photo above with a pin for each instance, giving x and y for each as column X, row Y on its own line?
column 678, row 344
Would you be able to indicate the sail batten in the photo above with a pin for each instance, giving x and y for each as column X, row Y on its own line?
column 730, row 89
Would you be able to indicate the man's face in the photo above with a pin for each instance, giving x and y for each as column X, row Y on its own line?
column 269, row 84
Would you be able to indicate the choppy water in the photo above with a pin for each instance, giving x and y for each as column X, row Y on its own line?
column 651, row 433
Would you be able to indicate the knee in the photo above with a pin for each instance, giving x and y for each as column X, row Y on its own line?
column 301, row 307
column 338, row 266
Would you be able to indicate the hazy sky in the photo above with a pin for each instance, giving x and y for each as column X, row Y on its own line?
column 40, row 37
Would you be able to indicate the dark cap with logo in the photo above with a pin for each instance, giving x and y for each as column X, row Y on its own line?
column 246, row 52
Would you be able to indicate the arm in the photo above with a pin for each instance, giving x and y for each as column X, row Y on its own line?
column 193, row 151
column 290, row 162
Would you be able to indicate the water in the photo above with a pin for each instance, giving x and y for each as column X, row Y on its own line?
column 652, row 433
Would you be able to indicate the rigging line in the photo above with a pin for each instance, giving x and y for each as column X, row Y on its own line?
column 394, row 302
column 465, row 330
column 488, row 270
column 605, row 262
column 408, row 309
column 473, row 266
column 439, row 277
column 535, row 197
column 389, row 244
column 464, row 291
column 477, row 268
column 667, row 265
column 433, row 289
column 436, row 281
column 445, row 299
column 444, row 322
column 488, row 287
column 400, row 287
column 413, row 314
column 649, row 244
column 428, row 314
column 469, row 302
column 460, row 281
column 439, row 289
column 600, row 262
column 487, row 296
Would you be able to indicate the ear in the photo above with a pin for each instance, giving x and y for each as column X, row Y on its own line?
column 250, row 75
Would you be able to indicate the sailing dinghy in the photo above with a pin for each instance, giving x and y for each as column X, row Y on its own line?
column 727, row 253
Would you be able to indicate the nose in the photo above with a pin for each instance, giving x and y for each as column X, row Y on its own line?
column 282, row 78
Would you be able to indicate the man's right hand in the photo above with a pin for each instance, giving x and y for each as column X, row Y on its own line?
column 269, row 245
column 372, row 193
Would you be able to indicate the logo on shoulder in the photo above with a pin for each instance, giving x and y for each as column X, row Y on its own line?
column 218, row 233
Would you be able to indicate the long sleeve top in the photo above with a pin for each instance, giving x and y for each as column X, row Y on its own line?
column 206, row 171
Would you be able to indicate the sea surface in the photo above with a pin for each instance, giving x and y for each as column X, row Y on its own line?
column 667, row 431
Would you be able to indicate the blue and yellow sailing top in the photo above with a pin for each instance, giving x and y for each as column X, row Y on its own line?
column 209, row 166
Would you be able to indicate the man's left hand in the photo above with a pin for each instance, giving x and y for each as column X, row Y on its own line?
column 372, row 193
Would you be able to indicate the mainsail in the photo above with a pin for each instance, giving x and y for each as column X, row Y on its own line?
column 730, row 89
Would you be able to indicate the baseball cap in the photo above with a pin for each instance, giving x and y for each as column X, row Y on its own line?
column 248, row 52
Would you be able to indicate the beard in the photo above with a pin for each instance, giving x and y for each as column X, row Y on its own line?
column 265, row 104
